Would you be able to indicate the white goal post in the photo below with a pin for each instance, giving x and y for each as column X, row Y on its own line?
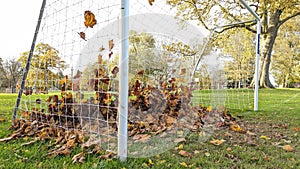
column 258, row 32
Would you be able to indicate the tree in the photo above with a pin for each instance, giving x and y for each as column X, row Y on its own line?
column 11, row 73
column 45, row 65
column 286, row 57
column 145, row 56
column 239, row 58
column 212, row 13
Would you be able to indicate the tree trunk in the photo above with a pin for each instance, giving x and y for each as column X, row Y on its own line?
column 266, row 52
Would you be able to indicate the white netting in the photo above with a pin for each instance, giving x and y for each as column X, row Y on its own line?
column 74, row 74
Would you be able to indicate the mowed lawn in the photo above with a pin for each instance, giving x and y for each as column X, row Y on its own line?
column 272, row 140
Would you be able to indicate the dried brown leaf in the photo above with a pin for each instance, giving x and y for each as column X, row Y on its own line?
column 237, row 128
column 115, row 70
column 99, row 59
column 151, row 2
column 111, row 44
column 78, row 158
column 101, row 49
column 82, row 35
column 217, row 142
column 288, row 148
column 179, row 140
column 107, row 156
column 184, row 153
column 90, row 19
column 6, row 139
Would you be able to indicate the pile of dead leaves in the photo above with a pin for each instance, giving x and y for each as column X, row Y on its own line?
column 74, row 121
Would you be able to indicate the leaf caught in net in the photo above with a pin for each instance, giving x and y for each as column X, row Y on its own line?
column 151, row 2
column 82, row 35
column 111, row 44
column 90, row 19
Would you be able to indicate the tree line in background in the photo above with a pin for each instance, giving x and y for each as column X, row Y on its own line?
column 211, row 14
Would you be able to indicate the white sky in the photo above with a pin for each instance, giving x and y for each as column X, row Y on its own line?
column 18, row 22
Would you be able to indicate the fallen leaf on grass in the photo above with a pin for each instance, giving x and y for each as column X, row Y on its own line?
column 6, row 139
column 229, row 149
column 207, row 154
column 183, row 164
column 180, row 147
column 217, row 142
column 150, row 163
column 184, row 153
column 288, row 148
column 296, row 129
column 2, row 119
column 29, row 143
column 237, row 128
column 78, row 158
column 265, row 137
column 107, row 156
column 179, row 140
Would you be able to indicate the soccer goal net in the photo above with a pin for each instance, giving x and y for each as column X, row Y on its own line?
column 74, row 76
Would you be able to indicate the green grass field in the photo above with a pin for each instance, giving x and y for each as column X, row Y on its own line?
column 274, row 126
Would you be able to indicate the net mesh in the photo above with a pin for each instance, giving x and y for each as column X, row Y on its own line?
column 73, row 79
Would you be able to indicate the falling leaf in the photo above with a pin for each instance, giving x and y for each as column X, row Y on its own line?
column 151, row 2
column 217, row 142
column 111, row 44
column 99, row 59
column 90, row 19
column 288, row 148
column 237, row 128
column 101, row 48
column 110, row 54
column 183, row 164
column 184, row 153
column 265, row 137
column 82, row 35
